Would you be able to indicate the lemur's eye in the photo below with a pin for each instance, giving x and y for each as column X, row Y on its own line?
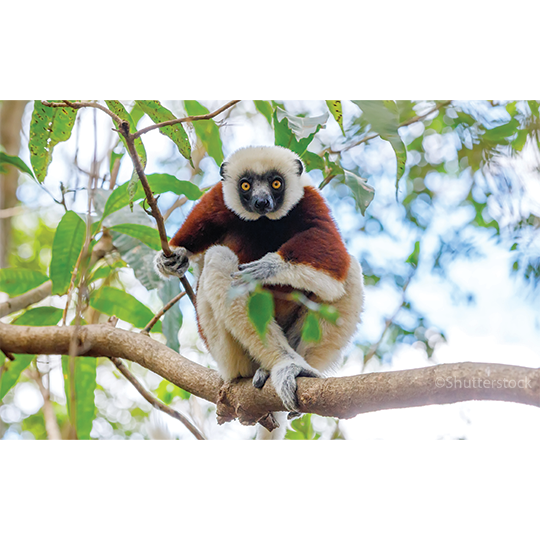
column 245, row 186
column 276, row 184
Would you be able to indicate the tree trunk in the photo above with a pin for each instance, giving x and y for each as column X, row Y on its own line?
column 10, row 138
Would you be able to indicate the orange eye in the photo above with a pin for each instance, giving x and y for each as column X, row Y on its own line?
column 245, row 186
column 276, row 184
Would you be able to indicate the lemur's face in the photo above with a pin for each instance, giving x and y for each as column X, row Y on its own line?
column 263, row 181
column 261, row 193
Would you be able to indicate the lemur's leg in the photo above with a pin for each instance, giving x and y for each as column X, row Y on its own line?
column 327, row 352
column 229, row 312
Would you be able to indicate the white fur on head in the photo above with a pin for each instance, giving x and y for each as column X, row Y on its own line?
column 260, row 159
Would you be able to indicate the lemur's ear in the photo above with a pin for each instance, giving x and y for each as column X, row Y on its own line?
column 222, row 170
column 300, row 166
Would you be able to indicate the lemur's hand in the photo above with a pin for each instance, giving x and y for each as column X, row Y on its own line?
column 261, row 269
column 175, row 265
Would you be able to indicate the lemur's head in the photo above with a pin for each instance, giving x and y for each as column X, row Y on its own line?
column 263, row 181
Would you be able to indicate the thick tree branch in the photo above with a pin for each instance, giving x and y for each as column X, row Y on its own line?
column 27, row 299
column 342, row 397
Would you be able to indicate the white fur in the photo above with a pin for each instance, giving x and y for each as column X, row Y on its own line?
column 260, row 159
column 306, row 278
column 234, row 342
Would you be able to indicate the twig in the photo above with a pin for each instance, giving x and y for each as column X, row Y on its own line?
column 83, row 104
column 51, row 423
column 27, row 299
column 162, row 312
column 374, row 348
column 186, row 119
column 153, row 400
column 179, row 202
column 402, row 124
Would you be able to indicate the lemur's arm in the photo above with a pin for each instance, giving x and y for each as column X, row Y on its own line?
column 313, row 260
column 205, row 225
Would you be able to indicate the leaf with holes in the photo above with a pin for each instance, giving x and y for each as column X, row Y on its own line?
column 48, row 127
column 119, row 303
column 67, row 246
column 260, row 310
column 176, row 132
column 207, row 130
column 117, row 108
column 16, row 281
column 337, row 112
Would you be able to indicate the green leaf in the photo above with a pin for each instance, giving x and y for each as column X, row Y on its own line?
column 414, row 256
column 67, row 245
column 116, row 302
column 313, row 161
column 48, row 127
column 330, row 313
column 16, row 281
column 384, row 119
column 260, row 310
column 132, row 186
column 16, row 162
column 311, row 331
column 362, row 192
column 337, row 112
column 265, row 108
column 207, row 130
column 172, row 320
column 176, row 132
column 499, row 134
column 302, row 429
column 79, row 384
column 39, row 316
column 294, row 132
column 11, row 371
column 167, row 391
column 159, row 183
column 117, row 108
column 147, row 235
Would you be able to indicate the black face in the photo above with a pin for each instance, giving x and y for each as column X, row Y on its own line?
column 261, row 193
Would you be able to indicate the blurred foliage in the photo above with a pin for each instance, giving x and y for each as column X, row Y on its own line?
column 436, row 180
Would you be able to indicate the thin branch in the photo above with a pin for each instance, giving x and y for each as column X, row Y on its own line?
column 177, row 204
column 51, row 423
column 129, row 138
column 153, row 400
column 27, row 299
column 82, row 105
column 375, row 347
column 408, row 122
column 186, row 119
column 162, row 312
